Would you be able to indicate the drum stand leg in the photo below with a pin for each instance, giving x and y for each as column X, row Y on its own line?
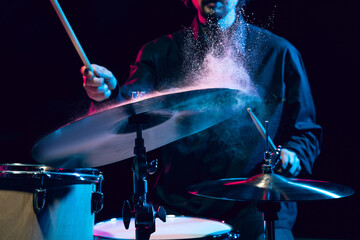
column 269, row 211
column 144, row 213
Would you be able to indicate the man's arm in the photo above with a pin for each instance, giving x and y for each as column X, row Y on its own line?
column 100, row 85
column 298, row 131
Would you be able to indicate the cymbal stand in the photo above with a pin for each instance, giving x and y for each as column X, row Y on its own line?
column 269, row 209
column 144, row 212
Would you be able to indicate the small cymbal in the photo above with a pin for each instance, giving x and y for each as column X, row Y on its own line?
column 109, row 136
column 270, row 188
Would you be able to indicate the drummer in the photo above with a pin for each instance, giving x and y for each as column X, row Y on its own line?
column 219, row 47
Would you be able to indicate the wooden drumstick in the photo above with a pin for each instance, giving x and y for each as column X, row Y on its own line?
column 71, row 34
column 261, row 129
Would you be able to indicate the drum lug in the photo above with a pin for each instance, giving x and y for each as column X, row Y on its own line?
column 97, row 197
column 39, row 200
column 97, row 202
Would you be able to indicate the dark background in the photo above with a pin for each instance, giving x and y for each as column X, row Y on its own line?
column 41, row 85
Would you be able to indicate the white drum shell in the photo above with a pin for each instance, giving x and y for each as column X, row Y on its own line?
column 67, row 213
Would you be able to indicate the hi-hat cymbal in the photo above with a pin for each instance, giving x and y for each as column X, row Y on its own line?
column 270, row 188
column 107, row 136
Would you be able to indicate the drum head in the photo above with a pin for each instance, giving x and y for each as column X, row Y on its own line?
column 173, row 228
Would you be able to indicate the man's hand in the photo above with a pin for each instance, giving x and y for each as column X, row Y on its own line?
column 98, row 86
column 290, row 163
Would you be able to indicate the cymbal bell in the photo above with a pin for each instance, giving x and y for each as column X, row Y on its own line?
column 109, row 136
column 270, row 188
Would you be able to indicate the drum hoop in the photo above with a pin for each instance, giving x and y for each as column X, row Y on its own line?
column 33, row 171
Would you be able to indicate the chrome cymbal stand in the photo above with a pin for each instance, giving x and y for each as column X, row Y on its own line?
column 144, row 212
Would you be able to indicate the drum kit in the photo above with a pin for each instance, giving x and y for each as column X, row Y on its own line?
column 51, row 199
column 59, row 202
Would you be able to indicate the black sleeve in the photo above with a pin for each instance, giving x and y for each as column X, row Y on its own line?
column 298, row 129
column 142, row 79
column 142, row 74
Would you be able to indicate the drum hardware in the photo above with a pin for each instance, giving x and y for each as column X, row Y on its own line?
column 126, row 214
column 153, row 166
column 145, row 214
column 272, row 158
column 37, row 200
column 77, row 153
column 269, row 210
column 97, row 197
column 268, row 189
column 39, row 195
column 180, row 114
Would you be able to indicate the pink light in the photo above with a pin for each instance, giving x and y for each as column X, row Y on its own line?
column 194, row 193
column 235, row 183
column 264, row 195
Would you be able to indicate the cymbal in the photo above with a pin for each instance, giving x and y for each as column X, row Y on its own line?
column 270, row 188
column 108, row 136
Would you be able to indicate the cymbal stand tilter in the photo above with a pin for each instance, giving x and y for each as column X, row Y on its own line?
column 269, row 209
column 144, row 212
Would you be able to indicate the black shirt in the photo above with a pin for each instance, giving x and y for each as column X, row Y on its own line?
column 260, row 62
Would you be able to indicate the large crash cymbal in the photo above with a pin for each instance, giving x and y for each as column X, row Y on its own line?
column 107, row 136
column 270, row 188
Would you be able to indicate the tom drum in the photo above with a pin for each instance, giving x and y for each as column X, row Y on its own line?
column 44, row 203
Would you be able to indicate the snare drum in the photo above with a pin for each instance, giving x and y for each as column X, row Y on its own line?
column 173, row 228
column 43, row 203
